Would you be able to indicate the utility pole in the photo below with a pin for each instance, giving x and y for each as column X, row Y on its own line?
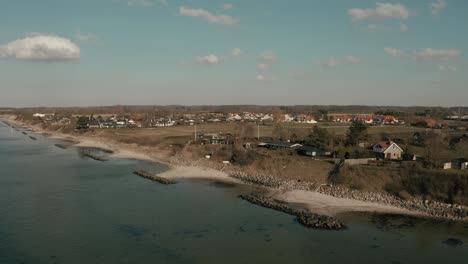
column 258, row 131
column 195, row 134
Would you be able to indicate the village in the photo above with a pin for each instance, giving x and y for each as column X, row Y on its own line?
column 320, row 135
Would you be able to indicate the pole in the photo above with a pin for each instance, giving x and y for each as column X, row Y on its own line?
column 195, row 134
column 258, row 131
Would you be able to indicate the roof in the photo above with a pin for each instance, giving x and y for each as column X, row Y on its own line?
column 384, row 145
column 461, row 160
column 310, row 148
column 279, row 144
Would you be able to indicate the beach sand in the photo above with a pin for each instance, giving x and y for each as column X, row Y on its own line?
column 331, row 206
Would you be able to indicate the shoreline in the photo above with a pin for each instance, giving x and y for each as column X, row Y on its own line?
column 315, row 202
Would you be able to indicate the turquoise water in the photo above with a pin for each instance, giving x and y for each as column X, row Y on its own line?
column 58, row 207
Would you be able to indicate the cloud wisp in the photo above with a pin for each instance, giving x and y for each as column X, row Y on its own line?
column 427, row 54
column 380, row 12
column 332, row 62
column 437, row 7
column 85, row 37
column 41, row 47
column 215, row 59
column 145, row 3
column 221, row 19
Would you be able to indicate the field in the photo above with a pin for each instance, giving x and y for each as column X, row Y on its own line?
column 265, row 130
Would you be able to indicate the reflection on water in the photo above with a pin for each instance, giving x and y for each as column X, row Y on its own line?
column 58, row 208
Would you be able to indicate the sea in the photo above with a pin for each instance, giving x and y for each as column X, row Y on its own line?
column 59, row 206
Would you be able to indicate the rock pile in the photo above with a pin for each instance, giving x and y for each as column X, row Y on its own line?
column 154, row 177
column 94, row 157
column 432, row 208
column 304, row 217
column 273, row 182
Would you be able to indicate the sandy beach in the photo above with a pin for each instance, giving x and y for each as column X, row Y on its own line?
column 331, row 206
column 314, row 201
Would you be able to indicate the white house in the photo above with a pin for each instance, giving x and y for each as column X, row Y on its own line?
column 388, row 150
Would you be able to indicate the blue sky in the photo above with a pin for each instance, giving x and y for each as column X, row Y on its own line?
column 106, row 52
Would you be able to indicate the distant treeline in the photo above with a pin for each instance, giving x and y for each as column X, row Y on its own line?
column 126, row 109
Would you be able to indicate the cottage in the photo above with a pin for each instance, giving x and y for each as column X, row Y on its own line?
column 388, row 150
column 214, row 138
column 278, row 145
column 310, row 151
column 458, row 164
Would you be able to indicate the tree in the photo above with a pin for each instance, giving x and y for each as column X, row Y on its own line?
column 244, row 131
column 356, row 132
column 318, row 137
column 436, row 151
column 462, row 149
column 82, row 122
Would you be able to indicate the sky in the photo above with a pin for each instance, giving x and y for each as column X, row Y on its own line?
column 266, row 52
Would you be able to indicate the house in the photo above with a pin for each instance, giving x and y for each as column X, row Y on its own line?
column 458, row 164
column 390, row 120
column 388, row 150
column 214, row 138
column 278, row 145
column 93, row 123
column 310, row 151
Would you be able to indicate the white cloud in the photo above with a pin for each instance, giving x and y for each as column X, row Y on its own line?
column 404, row 27
column 145, row 3
column 41, row 47
column 209, row 59
column 267, row 57
column 263, row 67
column 236, row 52
column 215, row 59
column 85, row 37
column 429, row 54
column 394, row 52
column 382, row 11
column 208, row 16
column 266, row 60
column 332, row 62
column 227, row 6
column 297, row 75
column 352, row 60
column 263, row 78
column 447, row 68
column 437, row 6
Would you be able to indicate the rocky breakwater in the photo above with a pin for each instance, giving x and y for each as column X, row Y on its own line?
column 154, row 177
column 273, row 182
column 431, row 208
column 304, row 217
column 94, row 157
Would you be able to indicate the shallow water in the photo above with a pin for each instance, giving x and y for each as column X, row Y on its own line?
column 59, row 207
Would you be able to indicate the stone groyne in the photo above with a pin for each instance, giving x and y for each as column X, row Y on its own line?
column 429, row 208
column 154, row 177
column 62, row 146
column 94, row 157
column 304, row 217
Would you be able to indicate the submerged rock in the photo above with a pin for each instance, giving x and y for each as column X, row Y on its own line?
column 154, row 177
column 304, row 217
column 453, row 242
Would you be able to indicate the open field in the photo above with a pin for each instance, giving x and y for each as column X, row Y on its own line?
column 265, row 130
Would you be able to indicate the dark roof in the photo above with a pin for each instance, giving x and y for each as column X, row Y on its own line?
column 461, row 160
column 310, row 148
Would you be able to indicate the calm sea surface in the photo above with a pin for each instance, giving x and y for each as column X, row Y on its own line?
column 58, row 207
